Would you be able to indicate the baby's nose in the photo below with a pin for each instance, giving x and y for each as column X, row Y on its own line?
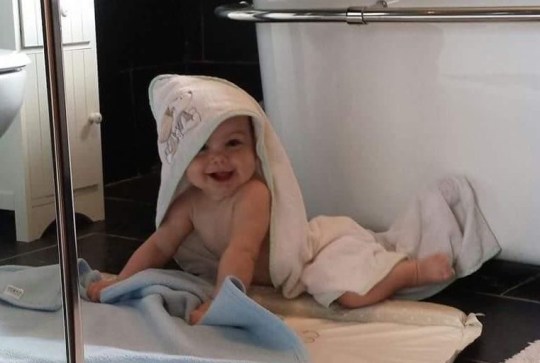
column 218, row 158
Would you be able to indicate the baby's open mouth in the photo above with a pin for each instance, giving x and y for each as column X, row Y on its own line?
column 221, row 175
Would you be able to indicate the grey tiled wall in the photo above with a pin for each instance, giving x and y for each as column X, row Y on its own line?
column 138, row 39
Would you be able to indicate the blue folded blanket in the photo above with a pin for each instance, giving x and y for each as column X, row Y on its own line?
column 140, row 319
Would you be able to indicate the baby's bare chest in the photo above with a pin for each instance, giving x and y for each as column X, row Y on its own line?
column 213, row 223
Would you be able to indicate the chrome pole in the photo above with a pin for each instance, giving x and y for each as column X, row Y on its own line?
column 246, row 12
column 65, row 213
column 443, row 15
column 380, row 13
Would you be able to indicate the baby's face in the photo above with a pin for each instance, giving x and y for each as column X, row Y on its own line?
column 226, row 161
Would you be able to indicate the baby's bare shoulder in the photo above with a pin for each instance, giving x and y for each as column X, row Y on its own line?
column 184, row 202
column 254, row 188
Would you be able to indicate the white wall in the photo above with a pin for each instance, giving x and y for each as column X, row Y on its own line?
column 371, row 114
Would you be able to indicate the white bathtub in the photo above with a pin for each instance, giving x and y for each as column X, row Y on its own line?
column 369, row 114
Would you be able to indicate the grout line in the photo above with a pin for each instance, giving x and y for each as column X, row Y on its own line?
column 122, row 237
column 506, row 297
column 28, row 253
column 136, row 177
column 112, row 184
column 119, row 199
column 81, row 237
column 530, row 279
column 86, row 235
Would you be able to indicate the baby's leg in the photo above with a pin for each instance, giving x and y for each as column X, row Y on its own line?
column 407, row 273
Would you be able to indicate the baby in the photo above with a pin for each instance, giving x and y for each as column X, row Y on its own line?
column 228, row 204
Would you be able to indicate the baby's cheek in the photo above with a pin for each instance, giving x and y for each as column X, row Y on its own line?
column 193, row 172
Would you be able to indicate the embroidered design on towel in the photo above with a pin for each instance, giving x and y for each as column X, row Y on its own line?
column 178, row 119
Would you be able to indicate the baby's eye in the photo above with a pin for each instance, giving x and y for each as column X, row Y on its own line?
column 234, row 142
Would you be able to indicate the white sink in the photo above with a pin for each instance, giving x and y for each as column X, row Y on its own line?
column 12, row 78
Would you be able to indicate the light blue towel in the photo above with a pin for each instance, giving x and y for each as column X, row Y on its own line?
column 142, row 319
column 38, row 288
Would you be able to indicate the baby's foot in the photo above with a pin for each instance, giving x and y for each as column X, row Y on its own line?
column 433, row 269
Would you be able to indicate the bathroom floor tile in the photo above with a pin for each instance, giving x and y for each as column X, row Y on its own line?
column 106, row 253
column 36, row 257
column 508, row 324
column 497, row 277
column 9, row 247
column 143, row 189
column 127, row 218
column 529, row 290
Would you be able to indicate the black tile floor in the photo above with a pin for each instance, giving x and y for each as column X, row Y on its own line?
column 506, row 294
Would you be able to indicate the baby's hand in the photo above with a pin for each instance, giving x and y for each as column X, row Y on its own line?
column 198, row 313
column 94, row 289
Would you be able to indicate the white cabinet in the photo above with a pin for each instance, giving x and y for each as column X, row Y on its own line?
column 26, row 174
column 77, row 25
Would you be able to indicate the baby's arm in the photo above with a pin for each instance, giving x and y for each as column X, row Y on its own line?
column 250, row 223
column 157, row 250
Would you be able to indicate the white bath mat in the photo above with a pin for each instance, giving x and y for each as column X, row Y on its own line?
column 531, row 354
column 394, row 331
column 337, row 341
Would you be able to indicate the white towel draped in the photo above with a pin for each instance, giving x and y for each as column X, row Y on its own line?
column 328, row 255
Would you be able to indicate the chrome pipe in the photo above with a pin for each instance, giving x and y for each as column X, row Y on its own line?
column 443, row 15
column 381, row 14
column 245, row 12
column 65, row 213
